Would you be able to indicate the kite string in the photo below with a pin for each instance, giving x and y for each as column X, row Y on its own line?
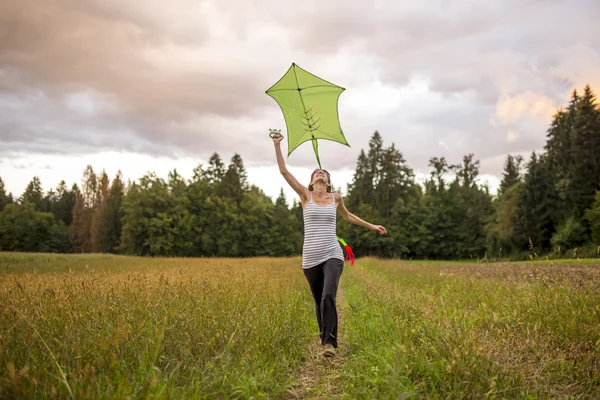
column 316, row 148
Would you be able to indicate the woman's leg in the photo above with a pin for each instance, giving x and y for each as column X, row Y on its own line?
column 314, row 276
column 332, row 271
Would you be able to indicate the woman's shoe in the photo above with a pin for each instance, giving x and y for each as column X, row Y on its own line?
column 329, row 351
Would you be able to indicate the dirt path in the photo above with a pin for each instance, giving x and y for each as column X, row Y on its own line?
column 318, row 375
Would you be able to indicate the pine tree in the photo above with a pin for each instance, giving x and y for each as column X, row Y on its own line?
column 536, row 203
column 592, row 216
column 559, row 157
column 80, row 228
column 62, row 208
column 235, row 180
column 511, row 174
column 585, row 153
column 360, row 190
column 111, row 223
column 297, row 212
column 5, row 198
column 374, row 157
column 34, row 194
column 285, row 230
column 98, row 212
column 215, row 171
column 396, row 180
column 49, row 201
column 473, row 206
column 83, row 209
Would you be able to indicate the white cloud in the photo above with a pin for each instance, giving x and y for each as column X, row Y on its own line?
column 511, row 109
column 436, row 78
column 512, row 135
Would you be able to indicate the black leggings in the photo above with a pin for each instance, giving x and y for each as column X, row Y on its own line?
column 323, row 280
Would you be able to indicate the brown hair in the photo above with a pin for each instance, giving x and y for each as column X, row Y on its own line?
column 310, row 186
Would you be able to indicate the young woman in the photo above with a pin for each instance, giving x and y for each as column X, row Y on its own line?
column 322, row 255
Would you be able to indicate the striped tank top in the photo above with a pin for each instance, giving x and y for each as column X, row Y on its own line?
column 320, row 240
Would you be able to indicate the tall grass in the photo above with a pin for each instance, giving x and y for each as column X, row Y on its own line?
column 472, row 331
column 100, row 326
column 119, row 326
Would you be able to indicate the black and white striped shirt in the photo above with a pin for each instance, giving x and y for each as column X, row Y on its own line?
column 320, row 240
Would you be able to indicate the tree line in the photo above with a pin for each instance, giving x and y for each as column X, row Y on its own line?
column 546, row 205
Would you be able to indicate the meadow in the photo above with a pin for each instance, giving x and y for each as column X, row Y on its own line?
column 103, row 326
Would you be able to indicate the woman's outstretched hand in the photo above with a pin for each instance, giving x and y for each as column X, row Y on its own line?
column 380, row 229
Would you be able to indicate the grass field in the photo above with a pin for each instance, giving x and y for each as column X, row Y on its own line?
column 99, row 326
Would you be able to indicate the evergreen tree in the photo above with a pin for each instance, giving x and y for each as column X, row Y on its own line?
column 537, row 203
column 592, row 216
column 360, row 190
column 505, row 232
column 83, row 209
column 235, row 180
column 395, row 181
column 473, row 206
column 374, row 157
column 286, row 231
column 62, row 207
column 181, row 221
column 98, row 213
column 34, row 194
column 585, row 153
column 215, row 171
column 111, row 223
column 298, row 214
column 80, row 228
column 5, row 198
column 197, row 193
column 511, row 174
column 49, row 201
column 559, row 157
column 89, row 188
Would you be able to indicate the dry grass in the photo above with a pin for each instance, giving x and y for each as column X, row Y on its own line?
column 204, row 327
column 113, row 327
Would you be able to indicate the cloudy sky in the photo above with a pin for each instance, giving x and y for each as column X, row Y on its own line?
column 151, row 85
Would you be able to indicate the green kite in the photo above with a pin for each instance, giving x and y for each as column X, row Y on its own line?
column 310, row 108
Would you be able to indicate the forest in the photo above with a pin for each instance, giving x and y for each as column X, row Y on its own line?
column 547, row 205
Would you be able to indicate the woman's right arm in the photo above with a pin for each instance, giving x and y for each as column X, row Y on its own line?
column 291, row 180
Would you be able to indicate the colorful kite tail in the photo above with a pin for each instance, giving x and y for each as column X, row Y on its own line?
column 349, row 252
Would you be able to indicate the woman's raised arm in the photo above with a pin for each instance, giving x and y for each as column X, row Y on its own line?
column 291, row 180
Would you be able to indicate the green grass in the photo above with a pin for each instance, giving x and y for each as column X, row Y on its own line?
column 201, row 328
column 536, row 260
column 472, row 331
column 100, row 326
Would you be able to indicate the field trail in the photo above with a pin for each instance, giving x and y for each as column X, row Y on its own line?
column 318, row 375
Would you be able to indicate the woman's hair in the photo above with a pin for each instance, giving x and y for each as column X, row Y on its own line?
column 310, row 186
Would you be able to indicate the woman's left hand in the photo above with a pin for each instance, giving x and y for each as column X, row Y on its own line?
column 380, row 229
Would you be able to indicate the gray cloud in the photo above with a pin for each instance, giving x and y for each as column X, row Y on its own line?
column 89, row 75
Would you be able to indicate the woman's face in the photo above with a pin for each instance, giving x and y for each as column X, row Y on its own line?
column 320, row 175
